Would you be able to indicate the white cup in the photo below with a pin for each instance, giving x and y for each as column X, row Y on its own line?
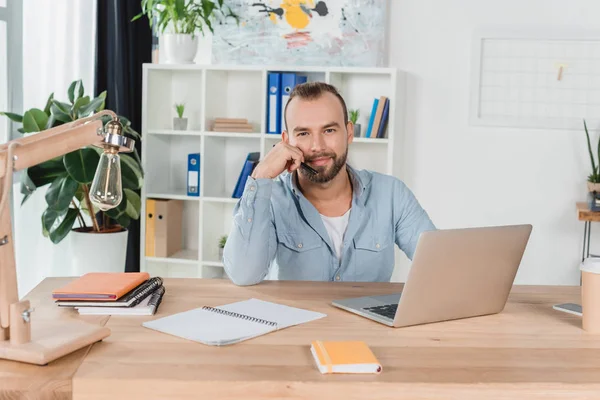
column 590, row 294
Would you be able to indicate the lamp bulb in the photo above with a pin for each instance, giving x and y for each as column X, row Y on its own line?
column 106, row 191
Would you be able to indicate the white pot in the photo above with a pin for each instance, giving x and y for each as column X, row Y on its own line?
column 179, row 48
column 98, row 252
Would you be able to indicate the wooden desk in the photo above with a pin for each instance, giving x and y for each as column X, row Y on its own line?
column 528, row 351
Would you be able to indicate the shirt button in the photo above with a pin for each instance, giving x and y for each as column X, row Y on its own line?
column 249, row 219
column 299, row 245
column 377, row 245
column 251, row 187
column 337, row 278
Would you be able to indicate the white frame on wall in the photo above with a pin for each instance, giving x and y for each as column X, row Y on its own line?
column 528, row 34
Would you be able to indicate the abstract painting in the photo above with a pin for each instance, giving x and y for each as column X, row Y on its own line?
column 302, row 32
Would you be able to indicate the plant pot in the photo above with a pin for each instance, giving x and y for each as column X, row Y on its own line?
column 179, row 48
column 180, row 124
column 98, row 252
column 593, row 187
column 357, row 130
column 221, row 254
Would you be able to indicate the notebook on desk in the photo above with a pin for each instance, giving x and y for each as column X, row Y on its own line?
column 232, row 323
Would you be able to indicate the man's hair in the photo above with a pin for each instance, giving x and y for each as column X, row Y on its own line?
column 312, row 91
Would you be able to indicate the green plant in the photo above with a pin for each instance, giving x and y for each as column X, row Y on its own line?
column 222, row 241
column 354, row 114
column 70, row 176
column 180, row 109
column 594, row 177
column 184, row 16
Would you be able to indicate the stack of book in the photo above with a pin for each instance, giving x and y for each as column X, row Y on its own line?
column 112, row 293
column 378, row 119
column 232, row 125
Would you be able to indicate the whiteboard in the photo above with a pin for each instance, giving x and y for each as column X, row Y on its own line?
column 547, row 80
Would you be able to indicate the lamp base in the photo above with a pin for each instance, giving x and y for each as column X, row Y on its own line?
column 52, row 340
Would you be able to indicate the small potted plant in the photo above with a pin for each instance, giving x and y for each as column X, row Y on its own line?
column 354, row 114
column 222, row 241
column 180, row 123
column 593, row 181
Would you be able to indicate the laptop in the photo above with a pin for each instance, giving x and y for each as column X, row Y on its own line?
column 455, row 273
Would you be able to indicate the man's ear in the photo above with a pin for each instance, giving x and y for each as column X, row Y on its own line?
column 285, row 137
column 350, row 130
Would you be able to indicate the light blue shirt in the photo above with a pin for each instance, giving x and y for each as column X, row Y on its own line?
column 275, row 228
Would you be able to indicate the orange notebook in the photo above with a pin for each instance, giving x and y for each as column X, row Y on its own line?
column 100, row 286
column 351, row 357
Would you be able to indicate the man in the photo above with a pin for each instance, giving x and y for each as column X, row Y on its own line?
column 337, row 225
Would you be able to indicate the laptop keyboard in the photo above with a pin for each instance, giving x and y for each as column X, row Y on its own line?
column 388, row 310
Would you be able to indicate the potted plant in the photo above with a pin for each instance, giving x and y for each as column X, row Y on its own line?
column 222, row 241
column 179, row 20
column 354, row 114
column 593, row 181
column 98, row 238
column 180, row 123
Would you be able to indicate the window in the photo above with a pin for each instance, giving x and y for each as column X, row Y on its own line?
column 11, row 64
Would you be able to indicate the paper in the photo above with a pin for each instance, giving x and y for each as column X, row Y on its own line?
column 214, row 328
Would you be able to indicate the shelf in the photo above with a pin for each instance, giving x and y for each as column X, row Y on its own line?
column 173, row 132
column 172, row 196
column 370, row 140
column 181, row 257
column 226, row 200
column 243, row 135
column 224, row 67
column 212, row 264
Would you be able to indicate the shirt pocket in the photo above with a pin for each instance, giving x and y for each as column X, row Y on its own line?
column 301, row 257
column 373, row 257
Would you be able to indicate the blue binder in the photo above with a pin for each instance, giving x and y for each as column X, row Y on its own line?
column 274, row 102
column 288, row 83
column 372, row 117
column 193, row 174
column 249, row 164
column 384, row 119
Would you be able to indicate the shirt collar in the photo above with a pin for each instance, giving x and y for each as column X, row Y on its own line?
column 359, row 185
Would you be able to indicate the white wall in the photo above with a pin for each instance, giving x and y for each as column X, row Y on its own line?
column 473, row 176
column 58, row 48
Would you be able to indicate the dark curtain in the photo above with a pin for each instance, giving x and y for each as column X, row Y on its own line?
column 122, row 47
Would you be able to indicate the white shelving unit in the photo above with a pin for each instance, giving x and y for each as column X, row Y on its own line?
column 211, row 91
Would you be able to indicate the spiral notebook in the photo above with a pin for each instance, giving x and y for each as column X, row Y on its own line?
column 232, row 323
column 131, row 299
column 147, row 306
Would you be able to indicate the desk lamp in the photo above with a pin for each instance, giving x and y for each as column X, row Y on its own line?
column 21, row 339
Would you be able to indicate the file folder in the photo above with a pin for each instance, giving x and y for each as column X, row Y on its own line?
column 247, row 168
column 193, row 174
column 274, row 103
column 288, row 83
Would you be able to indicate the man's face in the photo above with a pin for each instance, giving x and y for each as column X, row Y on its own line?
column 317, row 128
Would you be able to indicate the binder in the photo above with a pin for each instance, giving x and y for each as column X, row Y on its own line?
column 384, row 119
column 247, row 168
column 150, row 229
column 193, row 174
column 273, row 102
column 288, row 83
column 164, row 220
column 372, row 118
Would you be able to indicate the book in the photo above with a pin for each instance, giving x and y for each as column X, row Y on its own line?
column 100, row 285
column 148, row 306
column 232, row 323
column 351, row 357
column 372, row 118
column 130, row 299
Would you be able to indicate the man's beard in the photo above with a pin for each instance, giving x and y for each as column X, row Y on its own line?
column 325, row 173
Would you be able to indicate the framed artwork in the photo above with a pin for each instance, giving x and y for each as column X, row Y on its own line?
column 302, row 32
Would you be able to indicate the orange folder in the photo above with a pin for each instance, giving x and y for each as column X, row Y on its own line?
column 350, row 357
column 100, row 286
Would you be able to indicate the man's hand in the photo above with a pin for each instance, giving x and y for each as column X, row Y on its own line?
column 282, row 157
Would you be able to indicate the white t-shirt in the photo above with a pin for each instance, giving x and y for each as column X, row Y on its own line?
column 336, row 228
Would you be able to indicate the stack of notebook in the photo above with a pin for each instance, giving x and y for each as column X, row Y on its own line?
column 232, row 125
column 111, row 293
